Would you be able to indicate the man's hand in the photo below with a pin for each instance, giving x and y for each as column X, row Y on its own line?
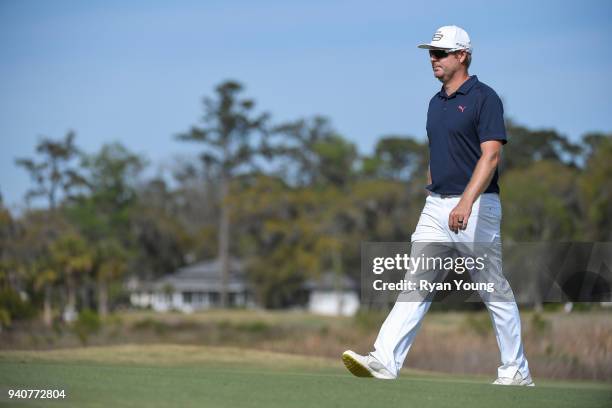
column 483, row 173
column 458, row 217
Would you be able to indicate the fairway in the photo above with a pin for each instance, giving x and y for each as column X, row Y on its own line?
column 194, row 376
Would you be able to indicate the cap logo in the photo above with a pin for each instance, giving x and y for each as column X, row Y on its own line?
column 437, row 36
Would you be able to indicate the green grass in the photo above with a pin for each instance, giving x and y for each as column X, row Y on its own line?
column 186, row 376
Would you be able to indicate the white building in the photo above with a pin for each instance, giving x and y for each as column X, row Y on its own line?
column 332, row 295
column 198, row 287
column 193, row 287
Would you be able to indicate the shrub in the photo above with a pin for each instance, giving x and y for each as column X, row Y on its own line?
column 87, row 323
column 479, row 323
column 5, row 318
column 151, row 324
column 369, row 320
column 539, row 324
column 13, row 305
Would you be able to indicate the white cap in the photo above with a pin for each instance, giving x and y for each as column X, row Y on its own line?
column 450, row 38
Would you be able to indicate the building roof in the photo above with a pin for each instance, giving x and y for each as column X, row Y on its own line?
column 204, row 276
column 327, row 281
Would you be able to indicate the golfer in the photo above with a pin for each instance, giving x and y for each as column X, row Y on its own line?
column 465, row 128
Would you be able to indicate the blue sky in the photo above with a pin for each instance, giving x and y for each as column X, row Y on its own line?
column 136, row 72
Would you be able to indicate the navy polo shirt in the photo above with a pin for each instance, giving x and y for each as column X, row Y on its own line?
column 456, row 125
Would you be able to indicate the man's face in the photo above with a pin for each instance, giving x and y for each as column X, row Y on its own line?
column 446, row 64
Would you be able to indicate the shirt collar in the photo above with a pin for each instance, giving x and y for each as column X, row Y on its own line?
column 463, row 89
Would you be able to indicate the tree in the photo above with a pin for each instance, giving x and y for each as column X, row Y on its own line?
column 541, row 203
column 194, row 209
column 8, row 235
column 284, row 236
column 290, row 234
column 32, row 248
column 527, row 146
column 105, row 216
column 398, row 158
column 111, row 262
column 72, row 258
column 337, row 158
column 297, row 150
column 55, row 172
column 313, row 153
column 44, row 277
column 112, row 176
column 10, row 269
column 228, row 148
column 596, row 187
column 159, row 229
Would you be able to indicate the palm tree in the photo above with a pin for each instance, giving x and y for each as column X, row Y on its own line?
column 111, row 261
column 52, row 174
column 73, row 258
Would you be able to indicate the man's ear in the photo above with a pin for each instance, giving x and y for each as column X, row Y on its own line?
column 462, row 56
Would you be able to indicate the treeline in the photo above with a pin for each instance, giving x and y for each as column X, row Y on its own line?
column 293, row 200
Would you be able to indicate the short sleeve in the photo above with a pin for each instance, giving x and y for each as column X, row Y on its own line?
column 491, row 119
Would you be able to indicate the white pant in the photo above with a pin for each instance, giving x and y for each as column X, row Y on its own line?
column 400, row 328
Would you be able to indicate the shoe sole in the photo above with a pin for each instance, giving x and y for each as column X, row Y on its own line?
column 356, row 368
column 517, row 385
column 531, row 384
